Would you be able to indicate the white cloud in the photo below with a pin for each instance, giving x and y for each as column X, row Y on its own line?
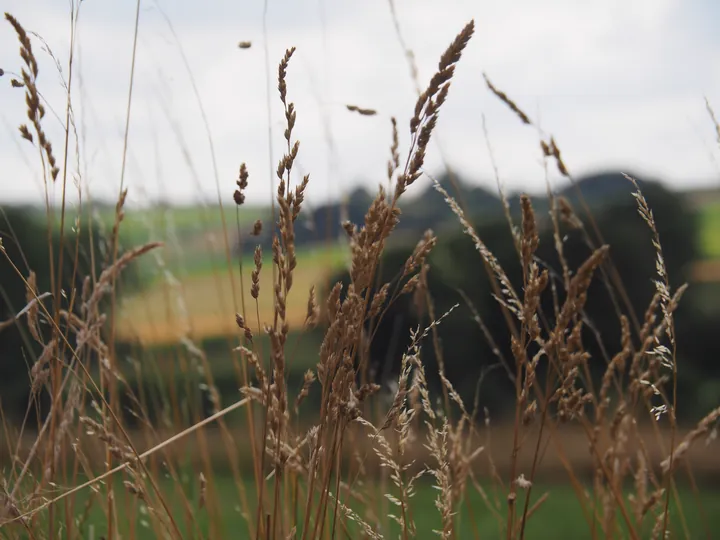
column 620, row 85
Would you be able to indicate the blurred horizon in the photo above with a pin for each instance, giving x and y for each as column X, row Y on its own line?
column 620, row 88
column 191, row 301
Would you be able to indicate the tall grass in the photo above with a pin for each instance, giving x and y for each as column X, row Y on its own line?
column 352, row 466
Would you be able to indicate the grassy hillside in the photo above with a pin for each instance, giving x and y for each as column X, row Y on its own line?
column 200, row 273
column 710, row 230
column 202, row 302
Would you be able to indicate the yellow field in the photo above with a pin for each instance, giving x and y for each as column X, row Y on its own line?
column 159, row 315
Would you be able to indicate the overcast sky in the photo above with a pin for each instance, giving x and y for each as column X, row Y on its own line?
column 620, row 84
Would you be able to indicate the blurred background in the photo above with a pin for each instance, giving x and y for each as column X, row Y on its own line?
column 622, row 88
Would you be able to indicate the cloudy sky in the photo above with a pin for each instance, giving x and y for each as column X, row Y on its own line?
column 621, row 85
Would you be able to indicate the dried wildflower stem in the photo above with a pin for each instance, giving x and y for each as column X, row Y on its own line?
column 412, row 168
column 243, row 172
column 226, row 245
column 35, row 113
column 500, row 186
column 259, row 467
column 578, row 488
column 325, row 492
column 115, row 245
column 337, row 490
column 227, row 438
column 488, row 337
column 140, row 458
column 527, row 511
column 421, row 126
column 510, row 299
column 554, row 215
column 550, row 149
column 71, row 307
column 240, row 367
column 268, row 109
column 66, row 150
column 108, row 275
column 415, row 77
column 663, row 289
column 239, row 198
column 61, row 251
column 36, row 444
column 393, row 165
column 438, row 350
column 409, row 55
column 713, row 118
column 533, row 285
column 285, row 263
column 260, row 482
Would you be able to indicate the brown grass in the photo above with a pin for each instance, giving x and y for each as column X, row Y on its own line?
column 570, row 437
column 310, row 469
column 149, row 318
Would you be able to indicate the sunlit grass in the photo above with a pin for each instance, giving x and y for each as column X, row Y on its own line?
column 158, row 314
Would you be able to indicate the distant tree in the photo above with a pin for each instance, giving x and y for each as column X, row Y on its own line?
column 25, row 241
column 456, row 266
column 428, row 210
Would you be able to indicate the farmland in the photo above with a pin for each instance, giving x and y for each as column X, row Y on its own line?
column 197, row 274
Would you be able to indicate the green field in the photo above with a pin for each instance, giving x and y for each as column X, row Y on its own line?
column 194, row 259
column 194, row 254
column 560, row 516
column 709, row 241
column 194, row 234
column 155, row 222
column 157, row 314
column 139, row 226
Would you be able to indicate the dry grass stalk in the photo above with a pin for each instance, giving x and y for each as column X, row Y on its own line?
column 704, row 427
column 242, row 183
column 502, row 96
column 35, row 109
column 313, row 310
column 713, row 118
column 667, row 356
column 361, row 111
column 33, row 312
column 313, row 458
column 255, row 287
column 510, row 298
